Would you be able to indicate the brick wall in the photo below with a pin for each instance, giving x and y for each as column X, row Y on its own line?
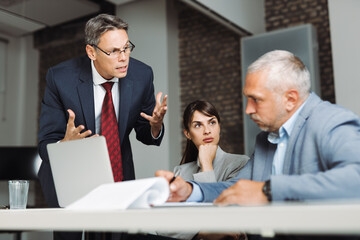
column 284, row 13
column 210, row 70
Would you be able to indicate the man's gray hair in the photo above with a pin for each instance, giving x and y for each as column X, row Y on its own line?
column 284, row 71
column 100, row 24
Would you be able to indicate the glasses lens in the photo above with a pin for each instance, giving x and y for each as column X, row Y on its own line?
column 126, row 50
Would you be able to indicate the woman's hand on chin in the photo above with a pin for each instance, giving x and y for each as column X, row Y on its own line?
column 207, row 155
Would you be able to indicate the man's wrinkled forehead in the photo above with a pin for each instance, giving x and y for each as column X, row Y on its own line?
column 255, row 81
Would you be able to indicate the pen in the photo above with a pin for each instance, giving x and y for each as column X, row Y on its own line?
column 173, row 178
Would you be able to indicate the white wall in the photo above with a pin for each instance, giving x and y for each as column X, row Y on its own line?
column 345, row 38
column 18, row 103
column 18, row 110
column 153, row 30
column 248, row 14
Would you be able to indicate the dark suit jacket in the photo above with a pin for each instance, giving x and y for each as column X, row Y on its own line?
column 70, row 86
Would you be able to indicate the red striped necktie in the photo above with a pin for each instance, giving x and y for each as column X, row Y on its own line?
column 110, row 130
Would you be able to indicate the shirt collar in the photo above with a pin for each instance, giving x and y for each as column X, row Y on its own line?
column 286, row 128
column 97, row 78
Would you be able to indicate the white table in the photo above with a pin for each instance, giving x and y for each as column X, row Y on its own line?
column 324, row 218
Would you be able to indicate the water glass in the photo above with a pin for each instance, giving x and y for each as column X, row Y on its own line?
column 18, row 193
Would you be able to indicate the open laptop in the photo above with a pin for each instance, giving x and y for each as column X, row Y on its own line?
column 78, row 167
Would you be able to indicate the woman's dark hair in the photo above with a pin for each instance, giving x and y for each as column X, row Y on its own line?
column 206, row 108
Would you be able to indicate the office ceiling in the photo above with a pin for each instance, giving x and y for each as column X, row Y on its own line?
column 21, row 17
column 118, row 2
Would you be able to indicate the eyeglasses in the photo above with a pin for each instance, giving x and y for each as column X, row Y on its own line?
column 117, row 52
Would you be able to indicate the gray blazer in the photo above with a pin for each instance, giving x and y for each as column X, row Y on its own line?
column 226, row 166
column 322, row 160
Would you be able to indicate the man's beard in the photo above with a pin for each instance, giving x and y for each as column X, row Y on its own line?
column 254, row 117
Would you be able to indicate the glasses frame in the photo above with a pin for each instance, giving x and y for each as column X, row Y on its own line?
column 132, row 46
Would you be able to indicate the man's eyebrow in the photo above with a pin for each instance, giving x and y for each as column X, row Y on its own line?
column 128, row 41
column 252, row 95
column 244, row 93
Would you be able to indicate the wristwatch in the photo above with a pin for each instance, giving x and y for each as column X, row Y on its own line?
column 267, row 190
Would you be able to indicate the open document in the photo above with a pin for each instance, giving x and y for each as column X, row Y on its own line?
column 142, row 193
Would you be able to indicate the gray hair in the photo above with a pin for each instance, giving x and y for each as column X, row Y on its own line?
column 284, row 71
column 100, row 24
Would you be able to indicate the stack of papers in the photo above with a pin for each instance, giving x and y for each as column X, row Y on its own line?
column 142, row 193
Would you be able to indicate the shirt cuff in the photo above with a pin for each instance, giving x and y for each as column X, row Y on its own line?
column 196, row 194
column 156, row 138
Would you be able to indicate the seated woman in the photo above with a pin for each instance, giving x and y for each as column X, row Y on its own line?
column 203, row 159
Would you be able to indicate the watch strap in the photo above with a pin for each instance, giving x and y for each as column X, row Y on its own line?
column 267, row 190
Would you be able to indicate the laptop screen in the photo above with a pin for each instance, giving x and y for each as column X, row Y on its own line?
column 78, row 167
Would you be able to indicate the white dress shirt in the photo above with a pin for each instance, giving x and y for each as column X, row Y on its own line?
column 99, row 94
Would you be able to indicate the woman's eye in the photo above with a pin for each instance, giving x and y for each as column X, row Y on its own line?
column 197, row 125
column 213, row 122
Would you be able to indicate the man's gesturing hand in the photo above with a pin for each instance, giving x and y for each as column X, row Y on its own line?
column 158, row 114
column 72, row 132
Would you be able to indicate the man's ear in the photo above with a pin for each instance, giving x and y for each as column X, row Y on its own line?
column 90, row 51
column 292, row 99
column 187, row 134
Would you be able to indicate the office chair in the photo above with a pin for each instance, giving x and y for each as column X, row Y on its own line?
column 18, row 163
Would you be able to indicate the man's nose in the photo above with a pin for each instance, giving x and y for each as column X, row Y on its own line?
column 122, row 56
column 249, row 107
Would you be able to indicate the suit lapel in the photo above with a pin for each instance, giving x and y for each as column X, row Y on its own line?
column 264, row 155
column 126, row 88
column 288, row 163
column 86, row 96
column 312, row 101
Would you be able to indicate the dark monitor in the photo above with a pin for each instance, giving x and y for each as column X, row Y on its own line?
column 19, row 163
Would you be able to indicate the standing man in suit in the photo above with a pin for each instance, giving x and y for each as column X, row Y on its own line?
column 308, row 149
column 72, row 104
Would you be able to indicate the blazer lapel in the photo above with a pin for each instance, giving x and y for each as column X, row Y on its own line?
column 263, row 158
column 126, row 88
column 86, row 95
column 311, row 102
column 288, row 163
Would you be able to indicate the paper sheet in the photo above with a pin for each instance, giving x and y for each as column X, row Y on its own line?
column 122, row 195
